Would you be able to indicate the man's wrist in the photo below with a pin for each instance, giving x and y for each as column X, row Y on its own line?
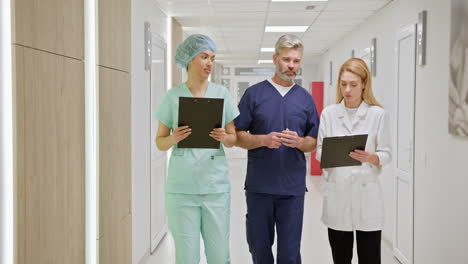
column 300, row 145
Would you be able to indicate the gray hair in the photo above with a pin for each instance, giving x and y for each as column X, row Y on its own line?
column 290, row 42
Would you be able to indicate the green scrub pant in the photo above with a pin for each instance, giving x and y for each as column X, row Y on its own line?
column 192, row 214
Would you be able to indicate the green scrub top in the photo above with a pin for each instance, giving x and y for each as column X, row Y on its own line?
column 193, row 170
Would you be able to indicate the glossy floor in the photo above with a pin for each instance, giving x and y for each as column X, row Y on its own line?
column 314, row 247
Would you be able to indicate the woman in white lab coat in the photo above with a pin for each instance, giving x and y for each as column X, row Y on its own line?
column 353, row 200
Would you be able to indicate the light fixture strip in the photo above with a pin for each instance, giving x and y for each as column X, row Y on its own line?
column 286, row 28
column 7, row 226
column 267, row 49
column 91, row 135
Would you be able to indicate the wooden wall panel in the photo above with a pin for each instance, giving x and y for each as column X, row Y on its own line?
column 56, row 26
column 114, row 33
column 50, row 147
column 115, row 183
column 19, row 153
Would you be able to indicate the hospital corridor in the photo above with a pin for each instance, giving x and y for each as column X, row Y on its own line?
column 233, row 131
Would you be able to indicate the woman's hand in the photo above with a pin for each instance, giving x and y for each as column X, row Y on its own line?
column 226, row 135
column 365, row 156
column 219, row 134
column 181, row 133
column 165, row 140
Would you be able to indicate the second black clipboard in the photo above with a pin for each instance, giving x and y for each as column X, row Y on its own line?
column 335, row 150
column 202, row 115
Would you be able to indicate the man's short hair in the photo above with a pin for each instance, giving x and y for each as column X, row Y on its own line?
column 288, row 41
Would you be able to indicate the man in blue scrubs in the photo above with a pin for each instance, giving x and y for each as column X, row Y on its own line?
column 278, row 122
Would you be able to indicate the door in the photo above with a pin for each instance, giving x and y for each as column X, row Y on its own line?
column 158, row 224
column 406, row 84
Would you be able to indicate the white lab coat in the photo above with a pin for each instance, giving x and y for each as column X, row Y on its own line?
column 353, row 198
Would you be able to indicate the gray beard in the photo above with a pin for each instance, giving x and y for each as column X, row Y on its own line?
column 284, row 77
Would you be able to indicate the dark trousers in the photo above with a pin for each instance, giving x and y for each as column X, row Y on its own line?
column 368, row 246
column 264, row 212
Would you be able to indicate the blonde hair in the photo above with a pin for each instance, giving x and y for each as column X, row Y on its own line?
column 288, row 41
column 359, row 67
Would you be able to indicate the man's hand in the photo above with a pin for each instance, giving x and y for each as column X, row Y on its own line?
column 291, row 139
column 271, row 140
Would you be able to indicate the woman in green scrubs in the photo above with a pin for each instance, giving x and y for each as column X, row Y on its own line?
column 197, row 188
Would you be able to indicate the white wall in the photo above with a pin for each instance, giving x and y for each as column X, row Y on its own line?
column 310, row 73
column 142, row 10
column 441, row 166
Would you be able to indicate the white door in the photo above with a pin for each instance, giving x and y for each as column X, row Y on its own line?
column 158, row 224
column 406, row 84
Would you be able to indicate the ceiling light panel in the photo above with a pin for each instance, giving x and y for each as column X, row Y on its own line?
column 286, row 29
column 267, row 49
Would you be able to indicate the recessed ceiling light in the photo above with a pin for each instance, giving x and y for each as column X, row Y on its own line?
column 265, row 61
column 267, row 49
column 286, row 28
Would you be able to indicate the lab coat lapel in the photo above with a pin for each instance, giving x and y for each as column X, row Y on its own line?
column 361, row 112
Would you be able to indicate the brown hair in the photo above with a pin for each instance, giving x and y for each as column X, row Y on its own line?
column 359, row 67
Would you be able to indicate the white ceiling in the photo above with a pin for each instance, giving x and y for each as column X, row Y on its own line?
column 238, row 27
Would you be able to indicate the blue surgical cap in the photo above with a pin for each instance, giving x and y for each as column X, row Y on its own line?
column 191, row 47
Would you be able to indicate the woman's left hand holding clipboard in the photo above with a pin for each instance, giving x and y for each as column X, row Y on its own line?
column 365, row 156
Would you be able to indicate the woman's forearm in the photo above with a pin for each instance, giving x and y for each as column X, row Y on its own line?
column 165, row 142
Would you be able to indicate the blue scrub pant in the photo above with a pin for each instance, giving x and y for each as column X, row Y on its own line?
column 264, row 212
column 191, row 214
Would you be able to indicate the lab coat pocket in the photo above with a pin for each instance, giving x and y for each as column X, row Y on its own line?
column 371, row 201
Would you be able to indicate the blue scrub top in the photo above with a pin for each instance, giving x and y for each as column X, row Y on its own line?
column 263, row 110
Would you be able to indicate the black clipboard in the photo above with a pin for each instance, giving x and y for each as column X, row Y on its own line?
column 202, row 115
column 335, row 150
